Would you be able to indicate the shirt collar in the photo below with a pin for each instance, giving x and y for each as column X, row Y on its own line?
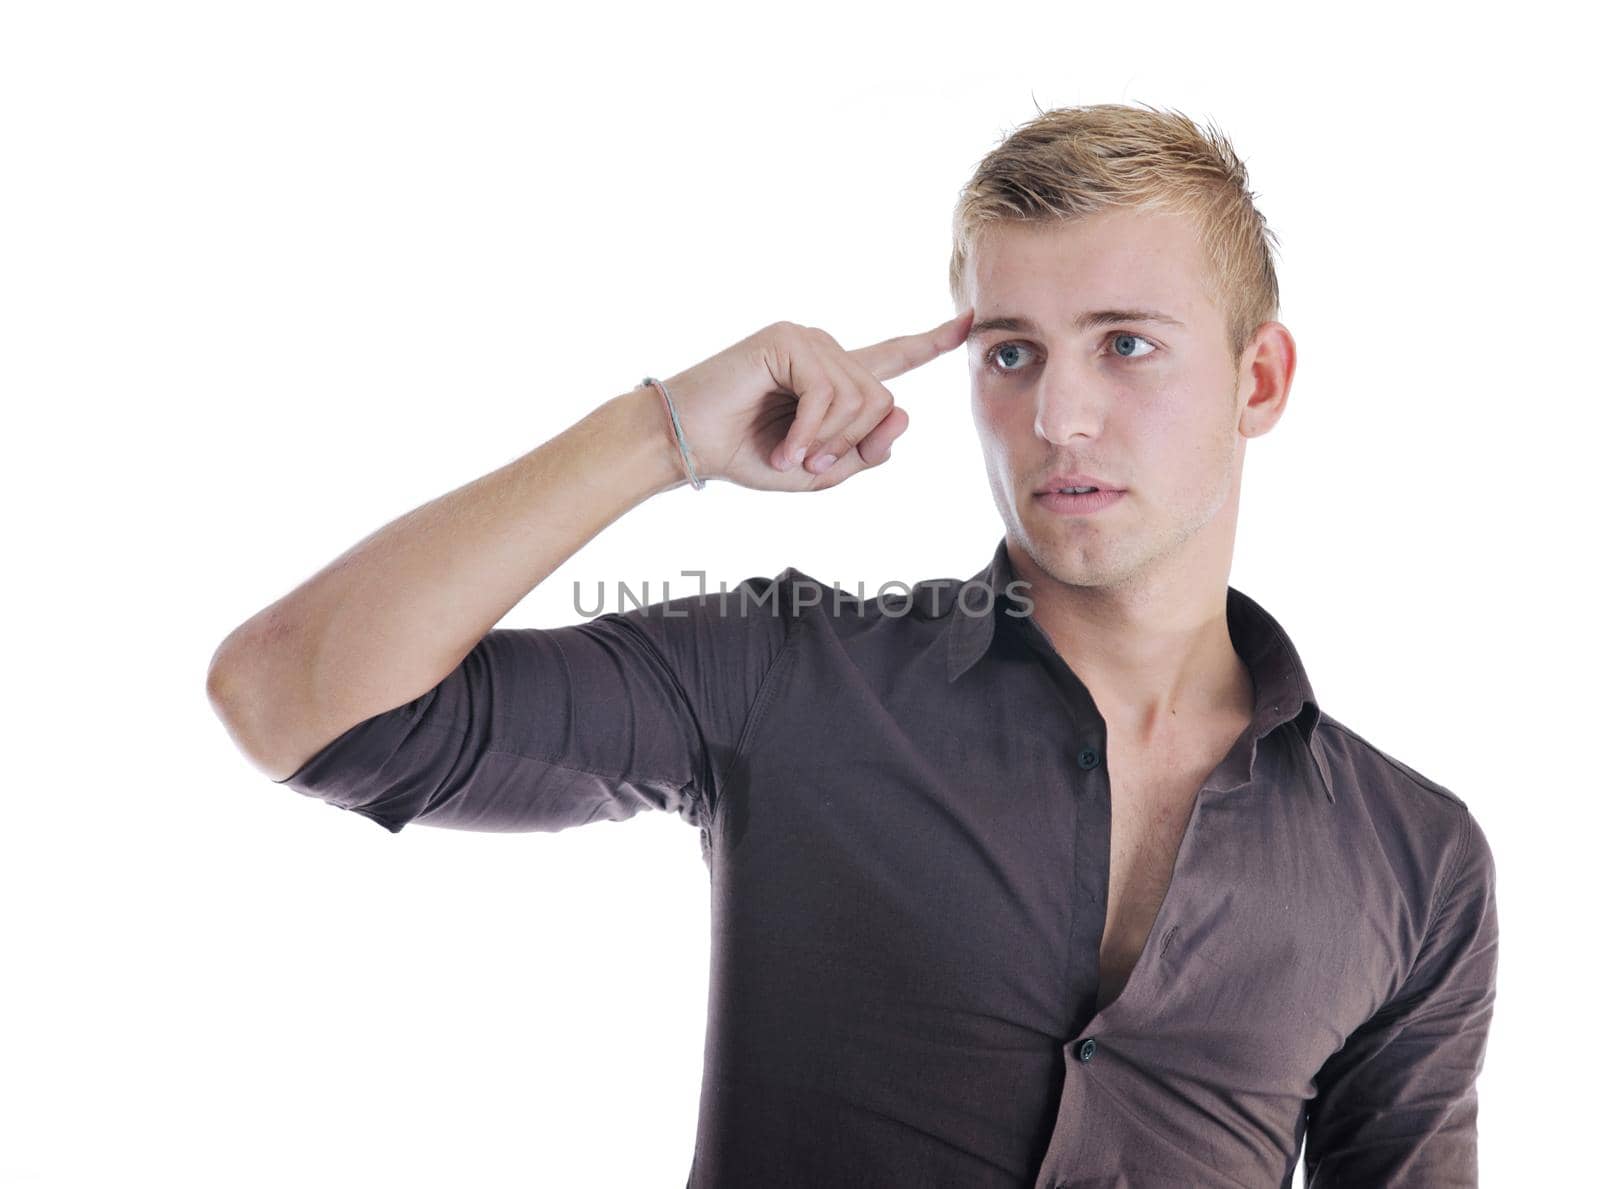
column 1283, row 689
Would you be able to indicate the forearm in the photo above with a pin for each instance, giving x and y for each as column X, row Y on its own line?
column 393, row 615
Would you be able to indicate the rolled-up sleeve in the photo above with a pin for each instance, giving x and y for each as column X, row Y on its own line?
column 1398, row 1103
column 539, row 729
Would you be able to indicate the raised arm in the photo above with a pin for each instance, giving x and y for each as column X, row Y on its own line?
column 389, row 618
column 382, row 627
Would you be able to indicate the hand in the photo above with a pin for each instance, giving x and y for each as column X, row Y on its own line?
column 788, row 388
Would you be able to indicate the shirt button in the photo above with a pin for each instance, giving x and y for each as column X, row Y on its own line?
column 1086, row 1049
column 1088, row 758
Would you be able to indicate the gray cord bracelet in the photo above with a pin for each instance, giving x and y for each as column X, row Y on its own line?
column 677, row 430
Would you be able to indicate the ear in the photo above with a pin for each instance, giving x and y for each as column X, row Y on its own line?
column 1266, row 369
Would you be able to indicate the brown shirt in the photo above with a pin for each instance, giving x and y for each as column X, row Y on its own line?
column 904, row 808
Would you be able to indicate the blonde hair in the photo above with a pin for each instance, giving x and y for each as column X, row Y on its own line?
column 1075, row 161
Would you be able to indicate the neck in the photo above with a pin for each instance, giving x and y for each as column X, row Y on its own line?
column 1158, row 658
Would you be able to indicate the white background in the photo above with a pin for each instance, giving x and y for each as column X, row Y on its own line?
column 274, row 274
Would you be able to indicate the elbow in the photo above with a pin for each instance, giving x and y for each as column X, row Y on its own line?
column 223, row 677
column 229, row 674
column 241, row 691
column 227, row 691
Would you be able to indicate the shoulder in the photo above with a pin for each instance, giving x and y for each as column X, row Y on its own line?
column 793, row 598
column 714, row 627
column 1365, row 758
column 802, row 595
column 1419, row 822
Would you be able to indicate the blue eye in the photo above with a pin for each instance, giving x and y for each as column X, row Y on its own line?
column 1117, row 338
column 1121, row 335
column 995, row 352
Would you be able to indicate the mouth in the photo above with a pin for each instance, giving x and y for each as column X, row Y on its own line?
column 1078, row 500
column 1074, row 483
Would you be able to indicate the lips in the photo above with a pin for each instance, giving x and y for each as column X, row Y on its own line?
column 1075, row 504
column 1074, row 479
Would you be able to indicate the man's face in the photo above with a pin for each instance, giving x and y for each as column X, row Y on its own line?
column 1150, row 407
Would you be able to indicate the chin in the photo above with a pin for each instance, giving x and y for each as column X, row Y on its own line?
column 1074, row 557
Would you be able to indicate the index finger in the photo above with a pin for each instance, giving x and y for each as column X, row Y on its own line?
column 898, row 355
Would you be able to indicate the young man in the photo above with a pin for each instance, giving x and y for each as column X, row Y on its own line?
column 1059, row 876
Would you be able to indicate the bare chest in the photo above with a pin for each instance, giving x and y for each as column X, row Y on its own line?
column 1152, row 797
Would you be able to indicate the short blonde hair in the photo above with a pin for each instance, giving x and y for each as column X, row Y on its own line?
column 1075, row 161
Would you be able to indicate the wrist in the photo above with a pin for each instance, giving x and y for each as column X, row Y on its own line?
column 641, row 415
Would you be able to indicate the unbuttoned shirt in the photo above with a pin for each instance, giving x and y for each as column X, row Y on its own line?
column 904, row 806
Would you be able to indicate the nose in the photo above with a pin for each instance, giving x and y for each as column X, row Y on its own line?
column 1067, row 407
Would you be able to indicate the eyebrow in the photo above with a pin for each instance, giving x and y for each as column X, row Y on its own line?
column 1085, row 321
